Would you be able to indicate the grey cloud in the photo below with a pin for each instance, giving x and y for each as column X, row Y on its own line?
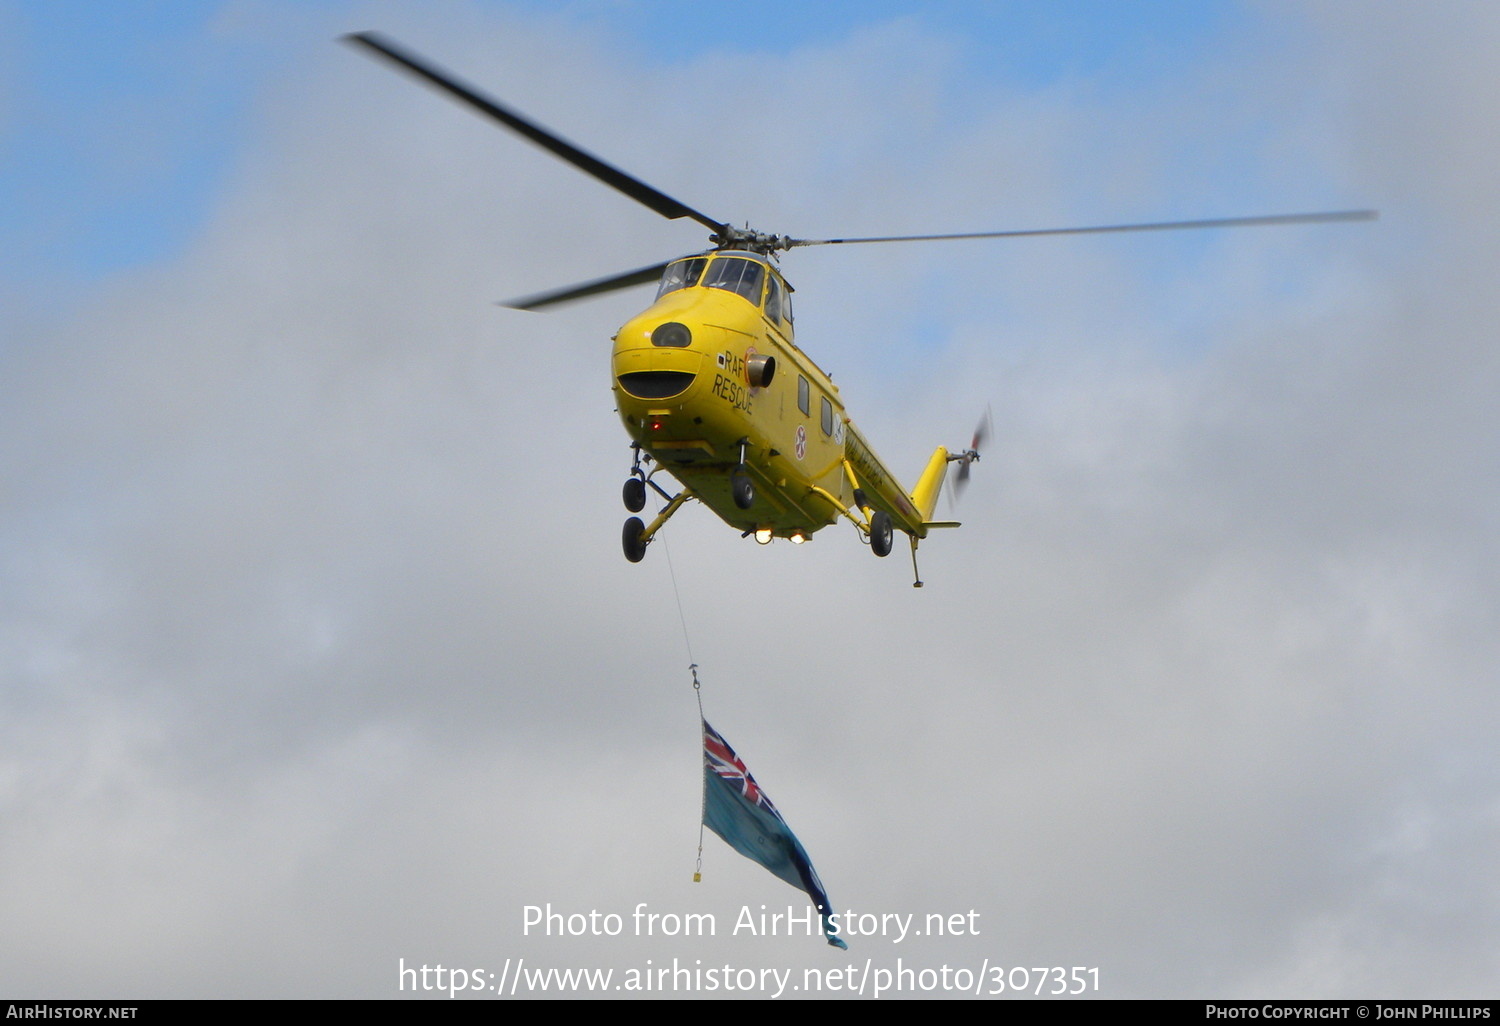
column 321, row 653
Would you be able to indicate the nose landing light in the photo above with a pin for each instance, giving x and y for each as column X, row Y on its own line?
column 672, row 334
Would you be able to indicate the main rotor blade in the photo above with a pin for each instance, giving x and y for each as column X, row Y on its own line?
column 1155, row 226
column 610, row 175
column 588, row 288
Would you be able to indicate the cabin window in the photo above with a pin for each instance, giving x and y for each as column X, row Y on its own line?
column 827, row 416
column 773, row 300
column 737, row 275
column 681, row 274
column 802, row 395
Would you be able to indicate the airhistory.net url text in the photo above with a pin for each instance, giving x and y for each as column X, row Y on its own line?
column 516, row 979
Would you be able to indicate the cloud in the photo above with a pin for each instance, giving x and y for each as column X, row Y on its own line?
column 321, row 653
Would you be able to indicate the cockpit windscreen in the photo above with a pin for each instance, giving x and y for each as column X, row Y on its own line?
column 738, row 275
column 681, row 274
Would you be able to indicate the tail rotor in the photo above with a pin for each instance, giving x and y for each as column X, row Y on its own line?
column 970, row 456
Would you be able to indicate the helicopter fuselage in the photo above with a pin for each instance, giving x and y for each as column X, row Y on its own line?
column 710, row 383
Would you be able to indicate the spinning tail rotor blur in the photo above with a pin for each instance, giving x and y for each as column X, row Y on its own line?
column 970, row 456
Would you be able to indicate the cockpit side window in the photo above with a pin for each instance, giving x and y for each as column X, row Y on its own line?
column 681, row 274
column 736, row 275
column 773, row 300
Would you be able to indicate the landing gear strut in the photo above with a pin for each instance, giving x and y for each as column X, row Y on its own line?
column 634, row 492
column 741, row 488
column 636, row 535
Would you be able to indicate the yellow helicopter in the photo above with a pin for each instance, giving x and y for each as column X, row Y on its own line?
column 712, row 387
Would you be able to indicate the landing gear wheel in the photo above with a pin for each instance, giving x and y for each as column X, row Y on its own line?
column 880, row 533
column 742, row 489
column 630, row 538
column 634, row 494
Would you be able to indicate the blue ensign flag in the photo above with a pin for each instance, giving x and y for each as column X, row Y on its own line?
column 735, row 808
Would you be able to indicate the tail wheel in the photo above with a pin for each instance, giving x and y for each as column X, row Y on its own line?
column 634, row 494
column 881, row 533
column 631, row 540
column 742, row 489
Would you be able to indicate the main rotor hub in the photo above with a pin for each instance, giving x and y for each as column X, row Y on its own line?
column 750, row 240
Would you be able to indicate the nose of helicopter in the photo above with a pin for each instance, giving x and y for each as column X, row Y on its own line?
column 654, row 359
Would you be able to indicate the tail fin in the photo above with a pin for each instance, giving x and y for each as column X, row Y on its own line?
column 930, row 484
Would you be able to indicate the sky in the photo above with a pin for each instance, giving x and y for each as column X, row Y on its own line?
column 321, row 659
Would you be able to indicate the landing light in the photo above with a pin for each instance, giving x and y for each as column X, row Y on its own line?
column 672, row 334
column 763, row 535
column 798, row 537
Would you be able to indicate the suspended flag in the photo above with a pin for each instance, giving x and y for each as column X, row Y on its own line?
column 735, row 808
